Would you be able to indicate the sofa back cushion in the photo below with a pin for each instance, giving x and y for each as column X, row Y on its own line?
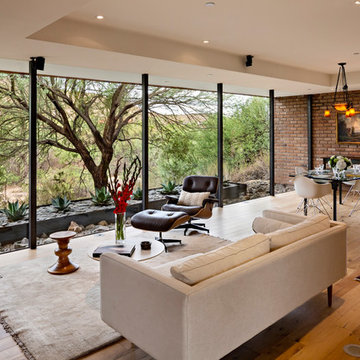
column 217, row 261
column 299, row 231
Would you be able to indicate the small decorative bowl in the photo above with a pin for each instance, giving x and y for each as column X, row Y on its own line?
column 145, row 245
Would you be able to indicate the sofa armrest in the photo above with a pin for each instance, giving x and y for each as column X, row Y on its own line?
column 144, row 306
column 283, row 216
column 267, row 225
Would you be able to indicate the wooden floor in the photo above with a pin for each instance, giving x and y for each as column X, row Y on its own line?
column 311, row 332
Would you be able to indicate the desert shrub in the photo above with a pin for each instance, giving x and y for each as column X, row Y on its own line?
column 255, row 171
column 176, row 158
column 102, row 197
column 15, row 211
column 169, row 188
column 61, row 203
column 137, row 194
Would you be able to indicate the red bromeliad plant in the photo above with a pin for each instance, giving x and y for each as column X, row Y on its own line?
column 121, row 191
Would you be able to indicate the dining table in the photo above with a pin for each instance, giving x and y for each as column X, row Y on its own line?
column 336, row 181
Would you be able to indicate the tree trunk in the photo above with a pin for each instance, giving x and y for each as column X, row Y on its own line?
column 100, row 175
column 100, row 179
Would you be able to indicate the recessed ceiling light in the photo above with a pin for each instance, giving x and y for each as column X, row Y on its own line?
column 206, row 41
column 357, row 2
column 210, row 3
column 100, row 17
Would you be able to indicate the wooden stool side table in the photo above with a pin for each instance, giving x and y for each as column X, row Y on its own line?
column 63, row 265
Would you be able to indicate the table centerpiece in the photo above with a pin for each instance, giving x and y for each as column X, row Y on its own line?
column 339, row 164
column 121, row 193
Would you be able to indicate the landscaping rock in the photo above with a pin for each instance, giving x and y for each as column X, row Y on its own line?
column 89, row 227
column 48, row 241
column 281, row 188
column 103, row 223
column 75, row 227
column 99, row 229
column 22, row 244
column 257, row 188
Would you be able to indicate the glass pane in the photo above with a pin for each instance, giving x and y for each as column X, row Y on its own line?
column 182, row 136
column 14, row 163
column 246, row 147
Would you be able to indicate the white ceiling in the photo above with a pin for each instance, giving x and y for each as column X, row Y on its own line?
column 296, row 44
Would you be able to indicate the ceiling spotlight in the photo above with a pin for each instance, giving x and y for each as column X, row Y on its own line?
column 100, row 17
column 206, row 41
column 210, row 3
column 357, row 2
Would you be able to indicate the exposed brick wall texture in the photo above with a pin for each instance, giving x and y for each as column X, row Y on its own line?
column 291, row 133
column 290, row 136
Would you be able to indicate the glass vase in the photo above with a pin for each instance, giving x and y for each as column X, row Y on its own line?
column 120, row 229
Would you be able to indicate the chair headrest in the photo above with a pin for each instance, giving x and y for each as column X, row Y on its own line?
column 197, row 183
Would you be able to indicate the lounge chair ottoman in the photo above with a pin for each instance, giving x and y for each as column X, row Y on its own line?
column 159, row 221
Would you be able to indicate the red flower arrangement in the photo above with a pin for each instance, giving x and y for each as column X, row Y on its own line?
column 121, row 192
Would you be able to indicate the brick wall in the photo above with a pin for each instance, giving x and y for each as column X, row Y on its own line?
column 290, row 136
column 291, row 133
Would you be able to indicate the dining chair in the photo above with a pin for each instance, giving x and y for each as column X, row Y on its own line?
column 300, row 170
column 351, row 189
column 355, row 189
column 314, row 193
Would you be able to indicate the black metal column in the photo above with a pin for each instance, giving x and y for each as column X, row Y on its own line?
column 145, row 141
column 35, row 63
column 272, row 143
column 220, row 142
column 309, row 132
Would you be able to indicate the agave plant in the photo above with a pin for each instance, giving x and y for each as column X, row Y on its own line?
column 101, row 197
column 15, row 211
column 61, row 203
column 169, row 188
column 137, row 194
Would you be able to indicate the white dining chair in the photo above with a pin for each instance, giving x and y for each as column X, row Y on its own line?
column 351, row 189
column 355, row 189
column 314, row 193
column 300, row 170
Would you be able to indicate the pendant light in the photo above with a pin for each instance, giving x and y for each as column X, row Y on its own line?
column 341, row 98
column 342, row 102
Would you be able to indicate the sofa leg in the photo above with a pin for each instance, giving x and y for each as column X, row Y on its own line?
column 329, row 295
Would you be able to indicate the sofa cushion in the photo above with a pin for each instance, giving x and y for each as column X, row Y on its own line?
column 217, row 261
column 283, row 216
column 164, row 269
column 299, row 231
column 265, row 225
column 192, row 198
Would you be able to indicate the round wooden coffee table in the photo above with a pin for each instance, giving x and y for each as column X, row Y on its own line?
column 63, row 265
column 139, row 255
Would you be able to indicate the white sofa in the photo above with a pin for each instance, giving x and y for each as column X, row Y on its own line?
column 172, row 320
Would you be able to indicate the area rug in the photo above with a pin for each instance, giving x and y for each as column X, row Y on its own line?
column 57, row 317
